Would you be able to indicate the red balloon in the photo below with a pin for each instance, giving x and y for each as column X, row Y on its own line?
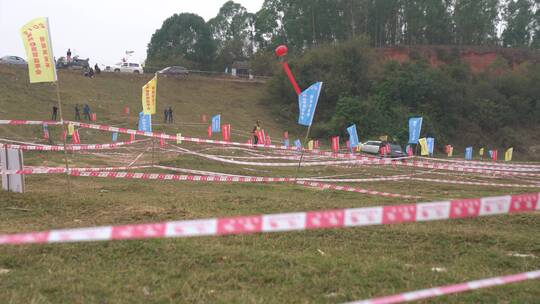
column 281, row 50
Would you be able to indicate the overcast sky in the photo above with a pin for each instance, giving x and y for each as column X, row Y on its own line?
column 101, row 30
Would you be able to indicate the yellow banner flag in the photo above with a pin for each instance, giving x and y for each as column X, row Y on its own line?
column 310, row 145
column 450, row 151
column 71, row 129
column 37, row 43
column 149, row 96
column 481, row 152
column 508, row 154
column 423, row 145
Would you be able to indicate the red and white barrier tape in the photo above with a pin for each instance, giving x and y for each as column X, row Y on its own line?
column 29, row 122
column 484, row 163
column 451, row 289
column 325, row 219
column 444, row 181
column 69, row 147
column 363, row 159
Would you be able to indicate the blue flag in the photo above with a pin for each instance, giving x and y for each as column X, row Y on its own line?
column 298, row 144
column 216, row 123
column 353, row 136
column 286, row 142
column 115, row 136
column 307, row 103
column 430, row 145
column 145, row 122
column 415, row 126
column 468, row 153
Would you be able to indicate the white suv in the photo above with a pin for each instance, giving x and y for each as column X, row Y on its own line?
column 127, row 67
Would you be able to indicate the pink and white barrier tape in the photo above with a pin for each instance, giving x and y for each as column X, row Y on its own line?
column 363, row 159
column 69, row 147
column 445, row 181
column 325, row 219
column 451, row 289
column 29, row 122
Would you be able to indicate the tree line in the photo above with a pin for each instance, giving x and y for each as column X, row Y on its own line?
column 235, row 34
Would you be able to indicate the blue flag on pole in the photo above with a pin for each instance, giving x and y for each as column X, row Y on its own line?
column 216, row 123
column 298, row 144
column 415, row 126
column 430, row 145
column 353, row 136
column 115, row 136
column 286, row 142
column 307, row 103
column 145, row 122
column 468, row 153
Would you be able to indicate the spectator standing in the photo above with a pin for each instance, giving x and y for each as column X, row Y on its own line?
column 170, row 115
column 166, row 115
column 68, row 56
column 86, row 111
column 54, row 112
column 77, row 112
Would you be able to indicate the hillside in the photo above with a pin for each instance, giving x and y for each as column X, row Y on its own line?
column 239, row 103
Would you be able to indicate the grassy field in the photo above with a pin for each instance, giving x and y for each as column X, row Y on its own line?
column 325, row 266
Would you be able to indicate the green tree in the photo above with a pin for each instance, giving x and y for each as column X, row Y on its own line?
column 519, row 16
column 182, row 39
column 233, row 31
column 475, row 21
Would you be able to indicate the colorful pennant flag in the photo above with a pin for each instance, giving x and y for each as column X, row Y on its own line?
column 415, row 127
column 36, row 38
column 508, row 154
column 423, row 147
column 307, row 103
column 149, row 96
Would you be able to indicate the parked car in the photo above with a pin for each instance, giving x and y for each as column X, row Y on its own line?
column 174, row 71
column 371, row 147
column 75, row 64
column 125, row 67
column 374, row 146
column 12, row 60
column 396, row 151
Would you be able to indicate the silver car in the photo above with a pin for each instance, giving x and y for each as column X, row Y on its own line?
column 12, row 60
column 371, row 147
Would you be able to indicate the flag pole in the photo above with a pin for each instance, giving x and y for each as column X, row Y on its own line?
column 302, row 154
column 63, row 132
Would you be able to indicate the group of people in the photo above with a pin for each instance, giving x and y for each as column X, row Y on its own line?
column 168, row 114
column 86, row 112
column 92, row 72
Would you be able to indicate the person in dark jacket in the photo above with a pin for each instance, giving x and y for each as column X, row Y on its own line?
column 54, row 112
column 77, row 112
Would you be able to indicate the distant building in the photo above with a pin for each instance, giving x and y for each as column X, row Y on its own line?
column 240, row 69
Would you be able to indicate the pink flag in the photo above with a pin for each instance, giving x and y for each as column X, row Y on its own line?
column 126, row 110
column 494, row 155
column 226, row 132
column 210, row 131
column 335, row 144
column 286, row 135
column 268, row 141
column 131, row 137
column 93, row 117
column 316, row 144
column 75, row 139
column 162, row 142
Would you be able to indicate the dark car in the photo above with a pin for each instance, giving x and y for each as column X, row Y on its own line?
column 16, row 60
column 174, row 71
column 396, row 151
column 75, row 64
